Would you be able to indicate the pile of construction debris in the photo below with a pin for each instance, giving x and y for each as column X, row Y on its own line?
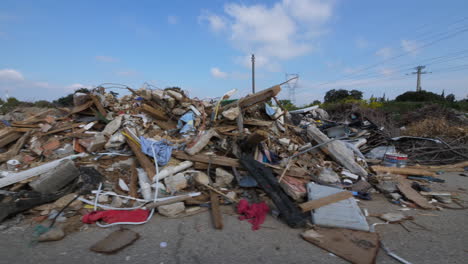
column 114, row 160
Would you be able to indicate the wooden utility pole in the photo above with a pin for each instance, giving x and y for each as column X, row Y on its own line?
column 253, row 73
column 418, row 80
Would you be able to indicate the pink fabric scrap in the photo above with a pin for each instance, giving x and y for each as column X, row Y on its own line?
column 256, row 213
column 115, row 216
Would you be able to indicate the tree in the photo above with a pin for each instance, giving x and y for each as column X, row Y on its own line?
column 341, row 94
column 450, row 98
column 355, row 94
column 316, row 102
column 287, row 104
column 419, row 96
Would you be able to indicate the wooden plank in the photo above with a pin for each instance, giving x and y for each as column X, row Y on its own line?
column 314, row 204
column 145, row 161
column 8, row 138
column 134, row 181
column 404, row 171
column 405, row 188
column 63, row 129
column 213, row 159
column 156, row 113
column 357, row 247
column 215, row 211
column 25, row 125
column 255, row 98
column 256, row 122
column 22, row 129
column 98, row 104
column 14, row 150
column 81, row 108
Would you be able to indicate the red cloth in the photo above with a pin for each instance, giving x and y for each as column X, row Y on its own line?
column 114, row 216
column 256, row 213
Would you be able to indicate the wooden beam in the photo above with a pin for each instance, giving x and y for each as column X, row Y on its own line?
column 156, row 113
column 405, row 188
column 133, row 181
column 254, row 98
column 98, row 104
column 63, row 129
column 215, row 210
column 314, row 204
column 81, row 108
column 404, row 171
column 145, row 161
column 256, row 122
column 213, row 159
column 9, row 137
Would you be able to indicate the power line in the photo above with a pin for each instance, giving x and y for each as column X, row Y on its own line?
column 400, row 55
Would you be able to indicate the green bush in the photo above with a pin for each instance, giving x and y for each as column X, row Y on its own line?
column 419, row 96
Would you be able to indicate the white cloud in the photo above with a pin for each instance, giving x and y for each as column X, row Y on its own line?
column 310, row 10
column 172, row 20
column 281, row 31
column 410, row 46
column 102, row 58
column 385, row 53
column 216, row 23
column 10, row 75
column 217, row 73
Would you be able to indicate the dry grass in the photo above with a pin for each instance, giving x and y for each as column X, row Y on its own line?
column 433, row 128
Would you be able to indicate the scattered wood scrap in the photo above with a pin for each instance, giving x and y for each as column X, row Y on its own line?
column 404, row 171
column 215, row 210
column 358, row 247
column 405, row 188
column 314, row 204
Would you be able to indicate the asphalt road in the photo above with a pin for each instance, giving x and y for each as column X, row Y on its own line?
column 194, row 240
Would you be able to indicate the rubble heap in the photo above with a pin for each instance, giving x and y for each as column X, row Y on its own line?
column 161, row 151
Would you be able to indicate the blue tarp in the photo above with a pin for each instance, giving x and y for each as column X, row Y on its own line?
column 162, row 149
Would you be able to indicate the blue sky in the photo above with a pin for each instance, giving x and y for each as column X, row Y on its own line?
column 49, row 48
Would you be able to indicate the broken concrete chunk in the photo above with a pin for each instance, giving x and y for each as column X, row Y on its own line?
column 175, row 95
column 113, row 126
column 54, row 234
column 232, row 113
column 171, row 210
column 284, row 141
column 327, row 175
column 169, row 170
column 116, row 241
column 202, row 178
column 75, row 205
column 337, row 150
column 56, row 178
column 176, row 182
column 200, row 142
column 223, row 178
column 117, row 202
column 115, row 141
column 178, row 111
column 97, row 143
